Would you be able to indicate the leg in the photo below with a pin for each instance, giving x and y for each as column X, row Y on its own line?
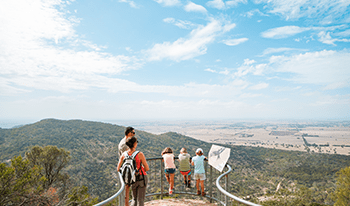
column 185, row 179
column 127, row 189
column 202, row 186
column 167, row 177
column 134, row 188
column 142, row 191
column 189, row 181
column 172, row 177
column 197, row 185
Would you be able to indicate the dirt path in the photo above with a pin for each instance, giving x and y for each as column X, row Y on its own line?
column 178, row 202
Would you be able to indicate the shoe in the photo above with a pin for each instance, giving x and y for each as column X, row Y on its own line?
column 203, row 193
column 170, row 191
column 198, row 192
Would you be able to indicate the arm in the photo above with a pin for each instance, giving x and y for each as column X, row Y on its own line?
column 120, row 162
column 143, row 161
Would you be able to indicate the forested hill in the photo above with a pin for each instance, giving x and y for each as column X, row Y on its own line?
column 87, row 137
column 94, row 145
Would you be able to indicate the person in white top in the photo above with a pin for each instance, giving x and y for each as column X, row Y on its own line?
column 170, row 168
column 122, row 147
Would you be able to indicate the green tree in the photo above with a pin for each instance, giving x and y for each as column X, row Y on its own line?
column 342, row 192
column 52, row 160
column 19, row 184
column 79, row 196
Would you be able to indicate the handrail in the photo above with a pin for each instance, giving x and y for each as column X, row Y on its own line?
column 120, row 192
column 161, row 193
column 229, row 194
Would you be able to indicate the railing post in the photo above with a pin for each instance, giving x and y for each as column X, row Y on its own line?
column 226, row 182
column 121, row 196
column 211, row 184
column 161, row 179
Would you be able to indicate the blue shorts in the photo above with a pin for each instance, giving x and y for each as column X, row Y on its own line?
column 170, row 171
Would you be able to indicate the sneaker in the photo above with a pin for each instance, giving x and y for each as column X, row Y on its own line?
column 198, row 192
column 203, row 193
column 170, row 191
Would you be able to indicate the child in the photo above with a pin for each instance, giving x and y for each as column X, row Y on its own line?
column 199, row 172
column 169, row 164
column 185, row 169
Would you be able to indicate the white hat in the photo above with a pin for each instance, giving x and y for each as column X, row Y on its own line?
column 199, row 150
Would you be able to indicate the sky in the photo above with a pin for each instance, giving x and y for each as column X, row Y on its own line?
column 175, row 59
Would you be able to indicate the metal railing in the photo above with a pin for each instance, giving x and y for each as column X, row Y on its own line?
column 227, row 194
column 156, row 173
column 119, row 194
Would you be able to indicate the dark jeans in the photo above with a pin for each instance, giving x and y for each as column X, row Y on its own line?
column 139, row 192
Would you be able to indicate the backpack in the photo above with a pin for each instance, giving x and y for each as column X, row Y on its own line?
column 129, row 169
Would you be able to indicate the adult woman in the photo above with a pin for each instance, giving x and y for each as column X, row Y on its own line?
column 139, row 187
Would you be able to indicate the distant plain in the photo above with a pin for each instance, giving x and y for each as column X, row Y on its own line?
column 330, row 137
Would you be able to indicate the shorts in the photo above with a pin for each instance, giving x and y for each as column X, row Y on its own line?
column 186, row 172
column 170, row 171
column 199, row 176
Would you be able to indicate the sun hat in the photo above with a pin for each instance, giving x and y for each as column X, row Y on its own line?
column 199, row 150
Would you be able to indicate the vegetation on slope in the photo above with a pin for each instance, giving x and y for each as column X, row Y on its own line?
column 258, row 172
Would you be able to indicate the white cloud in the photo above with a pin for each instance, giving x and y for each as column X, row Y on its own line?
column 131, row 3
column 225, row 72
column 253, row 12
column 327, row 39
column 279, row 50
column 168, row 2
column 218, row 4
column 221, row 5
column 234, row 3
column 345, row 33
column 287, row 89
column 287, row 31
column 323, row 10
column 234, row 42
column 211, row 70
column 192, row 7
column 259, row 86
column 249, row 95
column 249, row 62
column 32, row 55
column 283, row 32
column 179, row 23
column 328, row 68
column 332, row 100
column 194, row 45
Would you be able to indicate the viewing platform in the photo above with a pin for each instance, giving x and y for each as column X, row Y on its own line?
column 216, row 187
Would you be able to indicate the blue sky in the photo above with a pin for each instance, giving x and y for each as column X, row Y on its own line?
column 175, row 59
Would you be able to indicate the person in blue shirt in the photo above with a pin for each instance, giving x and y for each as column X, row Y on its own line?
column 199, row 171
